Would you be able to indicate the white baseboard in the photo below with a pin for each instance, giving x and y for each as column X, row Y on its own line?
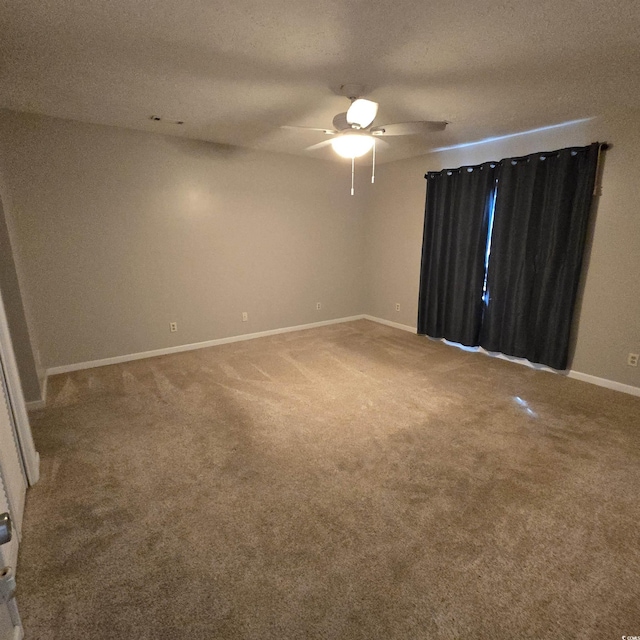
column 585, row 377
column 577, row 375
column 77, row 366
column 604, row 382
column 389, row 323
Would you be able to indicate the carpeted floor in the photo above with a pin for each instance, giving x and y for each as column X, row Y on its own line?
column 348, row 482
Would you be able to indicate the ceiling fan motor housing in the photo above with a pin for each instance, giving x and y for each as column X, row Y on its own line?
column 352, row 91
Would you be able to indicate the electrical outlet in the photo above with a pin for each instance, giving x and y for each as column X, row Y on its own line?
column 173, row 327
column 397, row 306
column 245, row 316
column 318, row 306
column 632, row 359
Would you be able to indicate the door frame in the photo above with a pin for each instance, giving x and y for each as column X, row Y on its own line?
column 29, row 455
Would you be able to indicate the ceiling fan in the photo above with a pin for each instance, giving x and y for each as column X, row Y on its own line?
column 353, row 134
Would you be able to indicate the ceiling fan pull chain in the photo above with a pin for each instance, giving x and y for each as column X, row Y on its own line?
column 353, row 169
column 373, row 168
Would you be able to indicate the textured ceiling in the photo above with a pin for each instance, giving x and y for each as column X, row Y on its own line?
column 235, row 71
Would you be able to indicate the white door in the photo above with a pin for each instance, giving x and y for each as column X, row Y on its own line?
column 18, row 462
column 12, row 477
column 12, row 491
column 10, row 625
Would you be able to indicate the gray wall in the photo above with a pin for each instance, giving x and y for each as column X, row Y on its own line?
column 119, row 233
column 609, row 317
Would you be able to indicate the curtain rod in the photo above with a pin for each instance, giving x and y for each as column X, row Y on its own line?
column 603, row 146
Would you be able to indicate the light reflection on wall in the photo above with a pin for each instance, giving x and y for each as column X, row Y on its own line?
column 198, row 202
column 511, row 135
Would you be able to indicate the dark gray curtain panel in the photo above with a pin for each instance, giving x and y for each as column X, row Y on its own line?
column 453, row 252
column 541, row 216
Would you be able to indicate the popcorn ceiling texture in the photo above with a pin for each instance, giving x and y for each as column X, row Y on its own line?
column 352, row 481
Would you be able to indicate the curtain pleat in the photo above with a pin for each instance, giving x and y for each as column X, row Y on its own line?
column 541, row 216
column 453, row 252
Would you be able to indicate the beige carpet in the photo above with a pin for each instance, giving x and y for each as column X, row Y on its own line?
column 353, row 481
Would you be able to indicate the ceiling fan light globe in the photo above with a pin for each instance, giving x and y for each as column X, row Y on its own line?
column 362, row 112
column 352, row 145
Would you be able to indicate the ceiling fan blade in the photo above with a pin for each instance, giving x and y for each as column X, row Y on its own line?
column 340, row 121
column 329, row 132
column 362, row 112
column 380, row 143
column 408, row 128
column 324, row 143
